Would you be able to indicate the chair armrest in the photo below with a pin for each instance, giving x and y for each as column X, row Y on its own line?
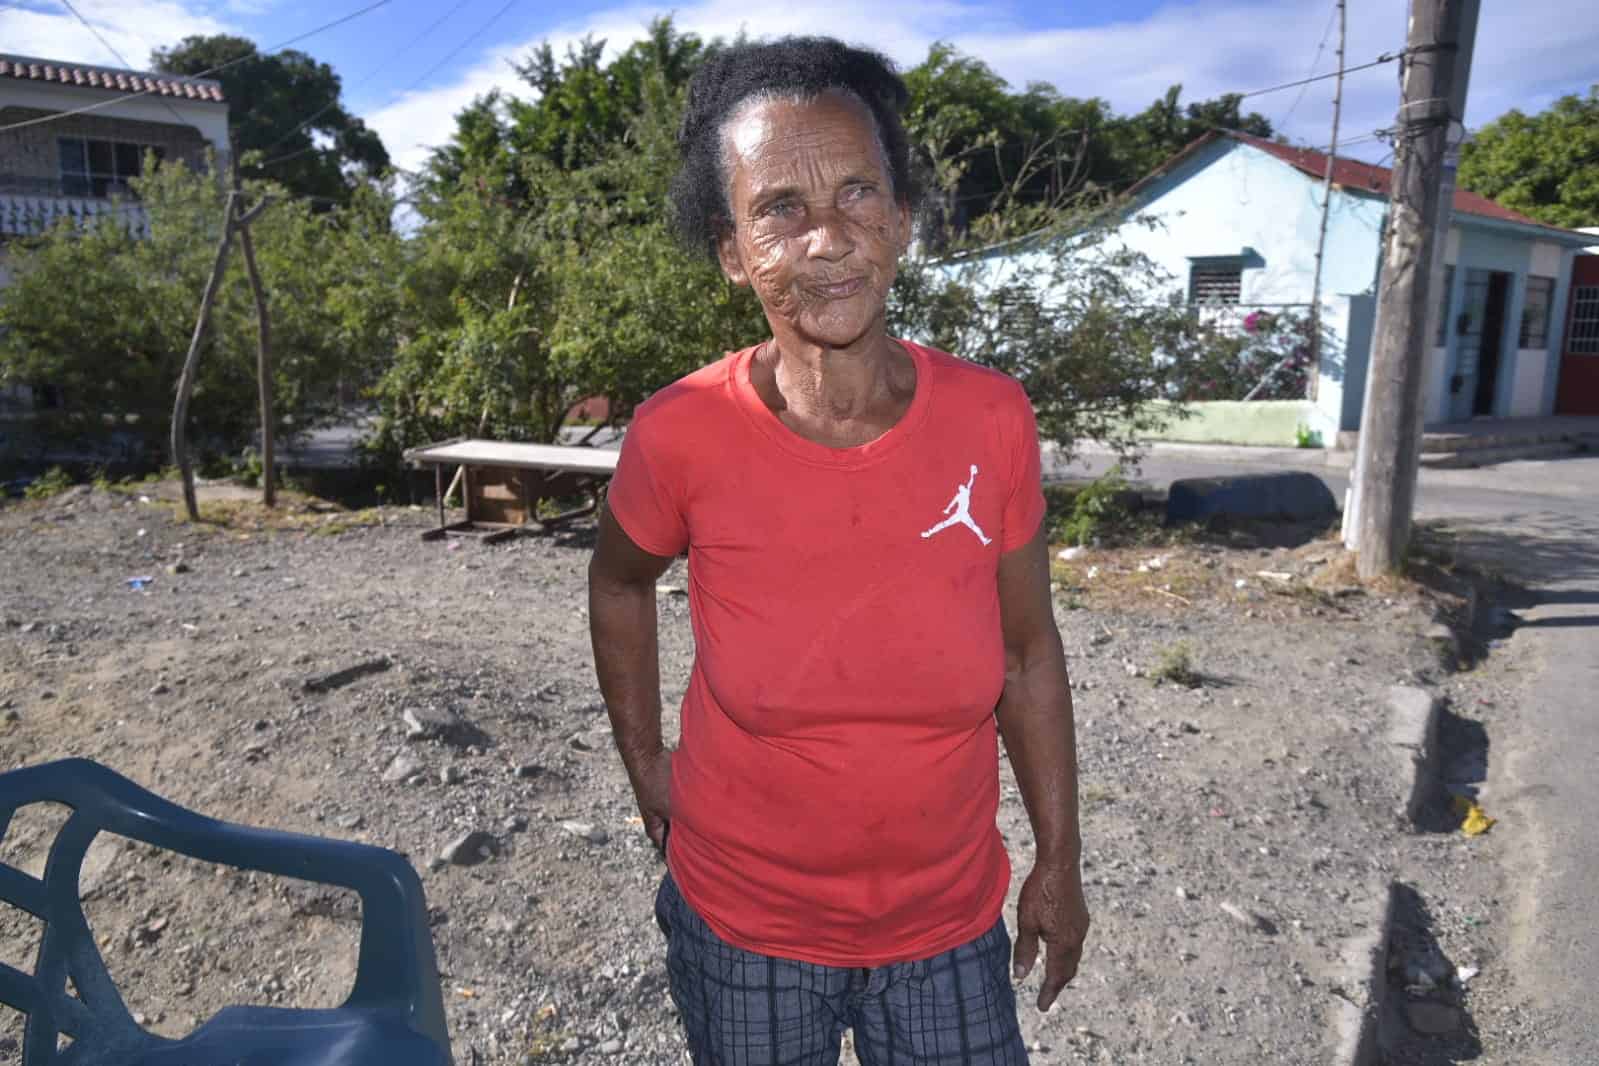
column 396, row 966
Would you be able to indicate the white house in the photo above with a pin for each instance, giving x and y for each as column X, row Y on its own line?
column 72, row 135
column 1235, row 220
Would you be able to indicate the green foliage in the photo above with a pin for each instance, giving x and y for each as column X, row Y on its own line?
column 52, row 482
column 1231, row 354
column 1092, row 332
column 1546, row 165
column 1305, row 437
column 1176, row 666
column 1097, row 510
column 106, row 315
column 1003, row 162
column 269, row 95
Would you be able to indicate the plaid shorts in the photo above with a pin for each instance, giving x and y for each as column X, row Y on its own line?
column 739, row 1008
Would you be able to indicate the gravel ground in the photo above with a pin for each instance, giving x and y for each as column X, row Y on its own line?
column 1236, row 831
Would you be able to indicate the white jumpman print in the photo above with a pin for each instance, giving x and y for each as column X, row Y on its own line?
column 961, row 505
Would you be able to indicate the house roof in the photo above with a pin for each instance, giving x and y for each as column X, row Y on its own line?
column 1356, row 176
column 1349, row 174
column 26, row 68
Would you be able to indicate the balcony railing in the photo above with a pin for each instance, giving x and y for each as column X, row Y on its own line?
column 24, row 214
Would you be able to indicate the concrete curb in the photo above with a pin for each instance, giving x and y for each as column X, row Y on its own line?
column 1412, row 738
column 1357, row 1015
column 1363, row 990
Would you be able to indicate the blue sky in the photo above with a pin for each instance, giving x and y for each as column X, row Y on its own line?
column 1528, row 53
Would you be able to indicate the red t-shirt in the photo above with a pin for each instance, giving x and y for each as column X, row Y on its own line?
column 836, row 780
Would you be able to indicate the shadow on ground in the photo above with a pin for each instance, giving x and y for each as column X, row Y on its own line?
column 1426, row 1021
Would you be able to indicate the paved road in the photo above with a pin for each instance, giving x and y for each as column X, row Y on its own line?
column 1538, row 522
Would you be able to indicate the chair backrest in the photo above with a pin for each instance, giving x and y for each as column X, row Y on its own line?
column 396, row 971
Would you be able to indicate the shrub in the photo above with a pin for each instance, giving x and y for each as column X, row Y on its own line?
column 52, row 482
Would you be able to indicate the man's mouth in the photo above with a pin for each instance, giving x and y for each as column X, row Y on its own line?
column 839, row 290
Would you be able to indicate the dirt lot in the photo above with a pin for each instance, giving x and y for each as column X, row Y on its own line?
column 1260, row 787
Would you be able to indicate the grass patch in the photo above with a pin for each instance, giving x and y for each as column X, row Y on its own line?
column 1176, row 665
column 295, row 513
column 52, row 482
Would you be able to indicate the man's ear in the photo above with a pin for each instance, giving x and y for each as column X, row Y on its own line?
column 727, row 255
column 906, row 220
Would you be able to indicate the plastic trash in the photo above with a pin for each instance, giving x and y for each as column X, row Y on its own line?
column 1474, row 820
column 137, row 584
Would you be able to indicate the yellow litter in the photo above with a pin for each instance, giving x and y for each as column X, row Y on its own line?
column 1476, row 821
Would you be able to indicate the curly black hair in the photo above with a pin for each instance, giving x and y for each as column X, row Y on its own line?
column 799, row 66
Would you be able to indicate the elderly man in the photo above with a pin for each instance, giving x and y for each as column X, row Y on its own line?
column 869, row 589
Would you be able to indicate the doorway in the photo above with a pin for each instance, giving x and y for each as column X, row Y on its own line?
column 1479, row 355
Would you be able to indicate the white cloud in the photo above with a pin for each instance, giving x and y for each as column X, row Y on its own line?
column 1527, row 54
column 132, row 27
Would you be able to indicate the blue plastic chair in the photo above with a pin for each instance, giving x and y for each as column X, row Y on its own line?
column 393, row 1017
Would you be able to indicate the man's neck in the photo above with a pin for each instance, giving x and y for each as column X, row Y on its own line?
column 838, row 385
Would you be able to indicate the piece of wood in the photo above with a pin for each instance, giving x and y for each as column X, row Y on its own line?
column 191, row 364
column 1437, row 62
column 263, row 363
column 506, row 453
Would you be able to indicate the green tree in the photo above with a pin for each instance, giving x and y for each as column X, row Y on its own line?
column 288, row 107
column 104, row 313
column 1546, row 165
column 1004, row 163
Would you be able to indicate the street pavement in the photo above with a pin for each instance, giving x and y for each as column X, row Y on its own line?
column 1537, row 522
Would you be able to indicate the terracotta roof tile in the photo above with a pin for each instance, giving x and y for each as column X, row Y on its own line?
column 29, row 69
column 1365, row 177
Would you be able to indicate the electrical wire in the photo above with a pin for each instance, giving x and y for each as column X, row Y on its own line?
column 1386, row 57
column 119, row 57
column 434, row 69
column 98, row 105
column 1332, row 16
column 374, row 72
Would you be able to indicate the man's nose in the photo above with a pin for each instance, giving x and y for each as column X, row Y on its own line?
column 831, row 239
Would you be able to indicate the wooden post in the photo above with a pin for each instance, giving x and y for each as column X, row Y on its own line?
column 263, row 363
column 1437, row 59
column 191, row 363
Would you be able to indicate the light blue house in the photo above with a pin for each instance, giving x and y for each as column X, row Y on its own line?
column 1235, row 219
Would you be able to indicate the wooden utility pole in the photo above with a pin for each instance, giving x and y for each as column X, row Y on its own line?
column 1326, row 205
column 263, row 350
column 232, row 219
column 1436, row 69
column 191, row 363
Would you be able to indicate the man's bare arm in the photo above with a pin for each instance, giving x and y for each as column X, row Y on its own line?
column 1035, row 718
column 622, row 627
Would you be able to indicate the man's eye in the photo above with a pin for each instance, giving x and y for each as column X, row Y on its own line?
column 781, row 209
column 859, row 192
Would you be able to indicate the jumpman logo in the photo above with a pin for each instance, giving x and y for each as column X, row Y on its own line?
column 959, row 510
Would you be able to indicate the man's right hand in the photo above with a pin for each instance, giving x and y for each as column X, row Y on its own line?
column 652, row 785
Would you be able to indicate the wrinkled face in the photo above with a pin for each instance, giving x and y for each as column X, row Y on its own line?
column 816, row 230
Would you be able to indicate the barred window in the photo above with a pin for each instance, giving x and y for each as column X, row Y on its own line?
column 100, row 168
column 1584, row 339
column 1215, row 282
column 1535, row 312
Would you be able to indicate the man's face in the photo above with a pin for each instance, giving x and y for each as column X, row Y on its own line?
column 815, row 227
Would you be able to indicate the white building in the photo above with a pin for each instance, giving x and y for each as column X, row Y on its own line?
column 71, row 136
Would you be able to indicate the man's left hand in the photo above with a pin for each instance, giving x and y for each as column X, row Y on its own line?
column 1052, row 907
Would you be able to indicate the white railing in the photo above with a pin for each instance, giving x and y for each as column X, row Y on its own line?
column 29, row 215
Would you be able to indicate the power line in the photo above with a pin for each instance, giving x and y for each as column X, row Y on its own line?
column 1332, row 17
column 98, row 105
column 118, row 56
column 1386, row 57
column 374, row 72
column 434, row 69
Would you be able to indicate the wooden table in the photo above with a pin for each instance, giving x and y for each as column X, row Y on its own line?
column 502, row 483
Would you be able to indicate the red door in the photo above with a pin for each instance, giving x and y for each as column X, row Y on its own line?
column 1579, row 357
